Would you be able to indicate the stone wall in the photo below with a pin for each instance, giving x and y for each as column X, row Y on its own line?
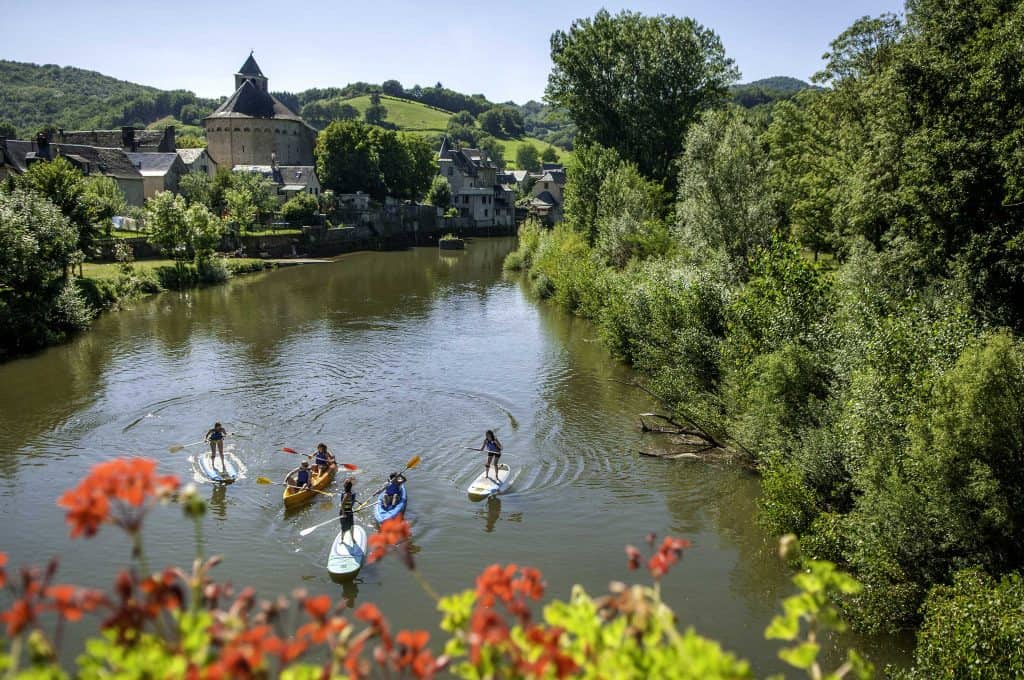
column 251, row 141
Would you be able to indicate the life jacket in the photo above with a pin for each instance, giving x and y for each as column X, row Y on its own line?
column 348, row 501
column 321, row 459
column 491, row 447
column 302, row 477
column 217, row 434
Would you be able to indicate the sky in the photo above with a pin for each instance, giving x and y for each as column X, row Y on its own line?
column 501, row 50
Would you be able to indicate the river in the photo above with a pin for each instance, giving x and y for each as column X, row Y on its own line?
column 384, row 356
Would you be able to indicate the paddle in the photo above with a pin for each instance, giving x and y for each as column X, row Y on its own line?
column 347, row 466
column 179, row 447
column 265, row 481
column 413, row 462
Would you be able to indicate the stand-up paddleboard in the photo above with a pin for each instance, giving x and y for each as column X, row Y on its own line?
column 380, row 514
column 498, row 481
column 220, row 474
column 347, row 556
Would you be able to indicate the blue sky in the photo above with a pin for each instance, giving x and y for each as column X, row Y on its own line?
column 498, row 49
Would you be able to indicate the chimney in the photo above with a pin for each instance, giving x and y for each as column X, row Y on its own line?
column 128, row 138
column 169, row 143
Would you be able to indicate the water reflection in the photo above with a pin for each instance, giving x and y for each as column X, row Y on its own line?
column 219, row 501
column 493, row 513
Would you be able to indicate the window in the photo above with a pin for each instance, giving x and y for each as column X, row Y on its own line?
column 485, row 212
column 545, row 185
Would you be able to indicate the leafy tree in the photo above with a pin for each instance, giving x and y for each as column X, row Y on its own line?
column 491, row 121
column 423, row 165
column 320, row 113
column 724, row 202
column 549, row 155
column 64, row 186
column 392, row 88
column 586, row 174
column 300, row 208
column 187, row 141
column 181, row 231
column 512, row 121
column 345, row 161
column 464, row 118
column 254, row 190
column 105, row 200
column 197, row 187
column 440, row 194
column 376, row 112
column 8, row 130
column 493, row 149
column 629, row 212
column 527, row 158
column 636, row 83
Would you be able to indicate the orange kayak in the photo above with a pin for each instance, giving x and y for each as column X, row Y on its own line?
column 294, row 497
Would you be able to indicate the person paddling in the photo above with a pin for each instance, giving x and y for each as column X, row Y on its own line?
column 215, row 435
column 393, row 491
column 346, row 512
column 302, row 477
column 493, row 448
column 323, row 459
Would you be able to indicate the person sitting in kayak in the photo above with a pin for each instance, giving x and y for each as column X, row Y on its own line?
column 215, row 435
column 493, row 448
column 323, row 459
column 302, row 477
column 346, row 512
column 393, row 491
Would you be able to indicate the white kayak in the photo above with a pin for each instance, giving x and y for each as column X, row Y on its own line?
column 347, row 556
column 215, row 472
column 498, row 481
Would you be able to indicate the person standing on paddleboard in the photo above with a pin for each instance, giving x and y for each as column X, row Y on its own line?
column 493, row 448
column 215, row 435
column 346, row 511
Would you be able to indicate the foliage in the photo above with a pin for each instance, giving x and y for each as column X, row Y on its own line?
column 190, row 625
column 527, row 158
column 64, row 186
column 300, row 208
column 250, row 200
column 376, row 112
column 972, row 628
column 610, row 74
column 549, row 155
column 586, row 174
column 352, row 156
column 183, row 232
column 629, row 217
column 440, row 193
column 724, row 202
column 104, row 200
column 33, row 96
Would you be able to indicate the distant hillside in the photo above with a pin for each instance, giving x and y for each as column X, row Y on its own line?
column 767, row 90
column 407, row 115
column 34, row 96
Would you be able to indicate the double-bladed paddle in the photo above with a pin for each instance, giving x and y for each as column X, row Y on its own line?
column 413, row 462
column 347, row 466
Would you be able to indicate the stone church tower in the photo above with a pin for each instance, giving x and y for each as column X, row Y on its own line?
column 253, row 128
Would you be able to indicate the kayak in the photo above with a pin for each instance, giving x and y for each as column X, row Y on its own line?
column 380, row 514
column 225, row 474
column 347, row 556
column 294, row 497
column 498, row 481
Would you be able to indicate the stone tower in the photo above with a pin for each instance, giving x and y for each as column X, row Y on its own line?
column 252, row 127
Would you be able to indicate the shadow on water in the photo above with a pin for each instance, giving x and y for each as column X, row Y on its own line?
column 219, row 501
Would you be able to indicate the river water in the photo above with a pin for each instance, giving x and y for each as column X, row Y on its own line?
column 383, row 356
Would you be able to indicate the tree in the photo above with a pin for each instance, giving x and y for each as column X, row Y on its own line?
column 64, row 185
column 493, row 149
column 345, row 160
column 181, row 231
column 197, row 187
column 105, row 200
column 376, row 112
column 512, row 121
column 392, row 88
column 587, row 171
column 423, row 160
column 490, row 121
column 250, row 199
column 636, row 83
column 549, row 155
column 464, row 118
column 724, row 200
column 629, row 220
column 8, row 130
column 440, row 194
column 527, row 158
column 300, row 209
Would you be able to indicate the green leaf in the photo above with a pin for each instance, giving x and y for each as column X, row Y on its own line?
column 802, row 656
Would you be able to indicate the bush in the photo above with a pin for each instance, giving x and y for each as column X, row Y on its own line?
column 300, row 209
column 973, row 628
column 212, row 270
column 71, row 313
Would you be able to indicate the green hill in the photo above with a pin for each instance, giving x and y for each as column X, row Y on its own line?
column 34, row 96
column 780, row 84
column 406, row 114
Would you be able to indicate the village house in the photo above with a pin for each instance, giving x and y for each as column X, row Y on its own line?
column 18, row 155
column 476, row 191
column 548, row 195
column 289, row 180
column 127, row 138
column 160, row 171
column 198, row 160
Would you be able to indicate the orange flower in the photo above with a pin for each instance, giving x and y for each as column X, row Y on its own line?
column 19, row 616
column 635, row 558
column 413, row 654
column 116, row 491
column 393, row 532
column 318, row 607
column 70, row 601
column 669, row 553
column 485, row 628
column 503, row 583
column 3, row 572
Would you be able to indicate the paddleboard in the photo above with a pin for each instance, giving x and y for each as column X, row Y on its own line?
column 225, row 474
column 497, row 482
column 380, row 514
column 347, row 556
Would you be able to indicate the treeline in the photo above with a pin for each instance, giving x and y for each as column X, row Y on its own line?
column 34, row 97
column 836, row 289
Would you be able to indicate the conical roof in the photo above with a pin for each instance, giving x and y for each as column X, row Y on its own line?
column 249, row 101
column 251, row 68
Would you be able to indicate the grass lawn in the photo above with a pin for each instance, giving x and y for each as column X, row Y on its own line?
column 117, row 233
column 408, row 115
column 274, row 232
column 111, row 270
column 512, row 145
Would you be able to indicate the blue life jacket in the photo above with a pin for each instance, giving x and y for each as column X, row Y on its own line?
column 302, row 478
column 321, row 459
column 393, row 489
column 491, row 447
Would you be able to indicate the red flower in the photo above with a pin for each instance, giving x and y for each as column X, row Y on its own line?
column 551, row 653
column 502, row 583
column 669, row 553
column 413, row 654
column 71, row 602
column 19, row 616
column 369, row 613
column 117, row 491
column 318, row 607
column 3, row 572
column 485, row 628
column 393, row 532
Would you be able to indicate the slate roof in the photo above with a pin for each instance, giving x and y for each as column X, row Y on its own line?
column 249, row 101
column 544, row 198
column 152, row 164
column 144, row 139
column 301, row 175
column 467, row 160
column 251, row 68
column 557, row 176
column 90, row 159
column 190, row 156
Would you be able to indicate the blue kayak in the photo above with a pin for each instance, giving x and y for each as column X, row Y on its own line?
column 380, row 514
